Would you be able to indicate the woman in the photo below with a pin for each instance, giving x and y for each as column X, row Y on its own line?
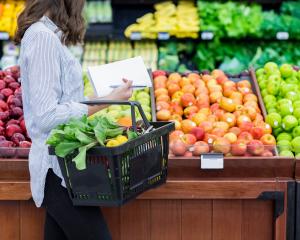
column 52, row 90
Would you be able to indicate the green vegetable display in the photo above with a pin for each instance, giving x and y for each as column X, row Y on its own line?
column 232, row 57
column 84, row 134
column 240, row 20
column 230, row 19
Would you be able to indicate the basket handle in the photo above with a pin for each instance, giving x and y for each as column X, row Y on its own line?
column 132, row 105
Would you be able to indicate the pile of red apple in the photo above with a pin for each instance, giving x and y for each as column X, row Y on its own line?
column 212, row 114
column 12, row 126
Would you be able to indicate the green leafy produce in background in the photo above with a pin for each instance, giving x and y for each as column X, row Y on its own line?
column 240, row 20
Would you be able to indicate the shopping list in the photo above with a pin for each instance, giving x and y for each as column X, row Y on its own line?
column 106, row 77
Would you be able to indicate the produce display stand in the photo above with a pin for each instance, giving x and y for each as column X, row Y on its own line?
column 248, row 199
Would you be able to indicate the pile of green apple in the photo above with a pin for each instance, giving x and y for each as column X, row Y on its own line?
column 117, row 112
column 280, row 89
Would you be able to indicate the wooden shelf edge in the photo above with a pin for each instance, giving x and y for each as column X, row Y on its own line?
column 211, row 189
column 14, row 190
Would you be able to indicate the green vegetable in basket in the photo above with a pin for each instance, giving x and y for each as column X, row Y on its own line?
column 80, row 135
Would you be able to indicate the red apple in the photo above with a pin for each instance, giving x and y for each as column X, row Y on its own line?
column 176, row 135
column 188, row 154
column 198, row 132
column 179, row 148
column 246, row 126
column 189, row 139
column 245, row 136
column 239, row 148
column 200, row 148
column 267, row 153
column 235, row 130
column 257, row 132
column 255, row 147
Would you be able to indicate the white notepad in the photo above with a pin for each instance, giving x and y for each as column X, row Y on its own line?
column 104, row 76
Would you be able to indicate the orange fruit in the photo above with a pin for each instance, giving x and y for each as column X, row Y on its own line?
column 160, row 91
column 125, row 121
column 187, row 125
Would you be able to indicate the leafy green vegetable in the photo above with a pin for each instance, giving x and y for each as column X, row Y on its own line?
column 83, row 134
column 64, row 148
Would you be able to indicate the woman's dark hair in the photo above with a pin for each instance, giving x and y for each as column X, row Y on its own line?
column 66, row 14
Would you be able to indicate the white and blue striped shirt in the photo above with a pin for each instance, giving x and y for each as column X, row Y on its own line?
column 52, row 88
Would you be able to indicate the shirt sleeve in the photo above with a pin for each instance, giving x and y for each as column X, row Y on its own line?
column 44, row 74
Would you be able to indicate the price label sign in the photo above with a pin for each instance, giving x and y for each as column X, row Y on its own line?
column 136, row 36
column 4, row 36
column 163, row 36
column 212, row 161
column 207, row 35
column 282, row 36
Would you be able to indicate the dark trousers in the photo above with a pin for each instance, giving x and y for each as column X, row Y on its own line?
column 66, row 222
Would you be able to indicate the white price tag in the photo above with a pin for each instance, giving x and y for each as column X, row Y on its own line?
column 136, row 36
column 207, row 35
column 4, row 36
column 212, row 161
column 163, row 36
column 282, row 36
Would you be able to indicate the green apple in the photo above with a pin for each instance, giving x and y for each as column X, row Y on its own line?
column 272, row 110
column 287, row 88
column 289, row 122
column 277, row 131
column 142, row 95
column 126, row 113
column 298, row 75
column 296, row 104
column 284, row 145
column 148, row 116
column 293, row 96
column 125, row 107
column 115, row 108
column 274, row 78
column 286, row 153
column 284, row 101
column 296, row 132
column 146, row 90
column 273, row 88
column 274, row 120
column 284, row 136
column 146, row 108
column 296, row 112
column 285, row 109
column 292, row 80
column 145, row 101
column 271, row 105
column 296, row 144
column 264, row 92
column 269, row 98
column 270, row 67
column 263, row 84
column 297, row 155
column 286, row 70
column 260, row 72
column 114, row 114
column 261, row 78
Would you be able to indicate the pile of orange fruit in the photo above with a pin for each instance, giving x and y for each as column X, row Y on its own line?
column 213, row 110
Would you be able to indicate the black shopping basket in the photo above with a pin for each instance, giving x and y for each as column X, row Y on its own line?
column 116, row 175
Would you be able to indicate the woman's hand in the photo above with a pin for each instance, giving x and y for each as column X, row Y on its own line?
column 122, row 93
